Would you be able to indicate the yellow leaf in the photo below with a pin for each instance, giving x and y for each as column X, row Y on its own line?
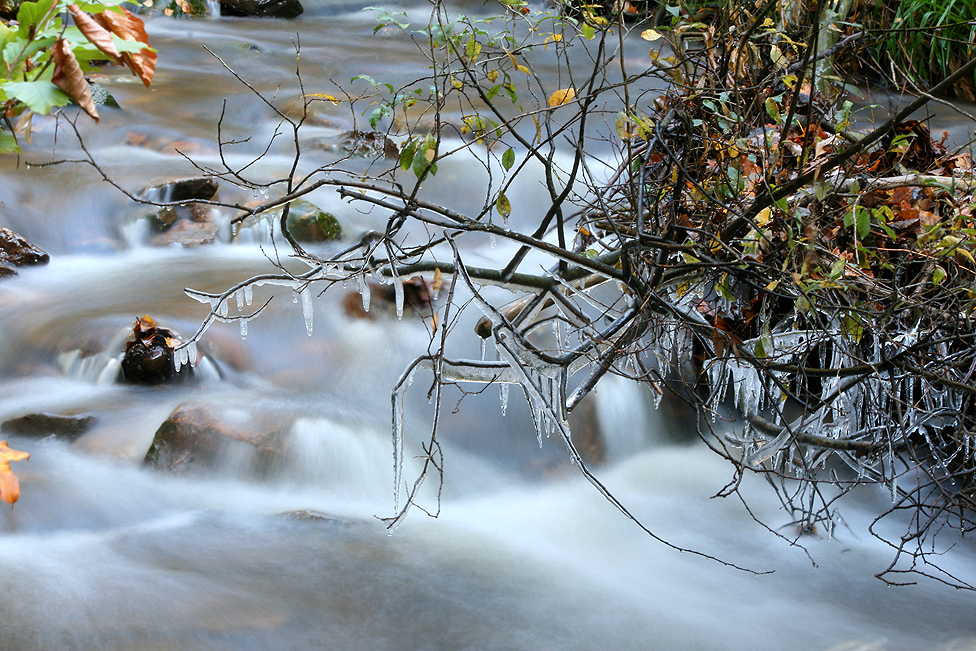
column 562, row 96
column 492, row 75
column 328, row 98
column 438, row 280
column 650, row 35
column 762, row 219
column 9, row 485
column 457, row 84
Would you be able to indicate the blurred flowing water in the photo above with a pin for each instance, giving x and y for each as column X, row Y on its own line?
column 102, row 553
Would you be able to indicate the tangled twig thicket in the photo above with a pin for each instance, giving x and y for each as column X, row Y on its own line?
column 734, row 239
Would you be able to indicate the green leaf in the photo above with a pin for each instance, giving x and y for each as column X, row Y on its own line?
column 407, row 153
column 8, row 143
column 31, row 14
column 378, row 114
column 364, row 78
column 503, row 206
column 938, row 275
column 38, row 96
column 863, row 222
column 508, row 159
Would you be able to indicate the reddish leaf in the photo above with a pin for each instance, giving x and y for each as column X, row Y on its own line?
column 95, row 33
column 129, row 27
column 9, row 485
column 69, row 78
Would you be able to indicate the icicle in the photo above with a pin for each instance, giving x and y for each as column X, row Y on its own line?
column 177, row 359
column 307, row 309
column 364, row 290
column 191, row 352
column 239, row 295
column 484, row 349
column 234, row 227
column 243, row 328
column 397, row 443
column 222, row 309
column 294, row 297
column 503, row 395
column 398, row 290
column 248, row 294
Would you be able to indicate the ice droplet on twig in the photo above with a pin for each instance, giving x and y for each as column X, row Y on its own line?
column 191, row 352
column 239, row 295
column 307, row 309
column 243, row 328
column 222, row 309
column 503, row 395
column 248, row 294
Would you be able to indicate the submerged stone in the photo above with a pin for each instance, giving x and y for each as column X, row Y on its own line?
column 40, row 425
column 196, row 437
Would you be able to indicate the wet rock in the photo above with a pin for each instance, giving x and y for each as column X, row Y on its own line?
column 369, row 144
column 197, row 187
column 304, row 515
column 148, row 357
column 306, row 222
column 101, row 96
column 41, row 425
column 197, row 437
column 16, row 251
column 262, row 8
column 189, row 225
column 188, row 233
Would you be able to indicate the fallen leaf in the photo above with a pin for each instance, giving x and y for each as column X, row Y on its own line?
column 9, row 485
column 650, row 35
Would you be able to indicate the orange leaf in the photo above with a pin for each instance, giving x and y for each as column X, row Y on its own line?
column 95, row 33
column 131, row 28
column 69, row 78
column 9, row 486
column 562, row 96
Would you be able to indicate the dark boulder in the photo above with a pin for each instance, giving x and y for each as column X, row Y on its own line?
column 197, row 187
column 262, row 8
column 148, row 357
column 16, row 251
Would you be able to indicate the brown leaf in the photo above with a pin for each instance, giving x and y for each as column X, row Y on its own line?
column 129, row 27
column 69, row 78
column 95, row 33
column 9, row 485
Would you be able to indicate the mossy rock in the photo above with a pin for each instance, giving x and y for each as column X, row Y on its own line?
column 308, row 223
